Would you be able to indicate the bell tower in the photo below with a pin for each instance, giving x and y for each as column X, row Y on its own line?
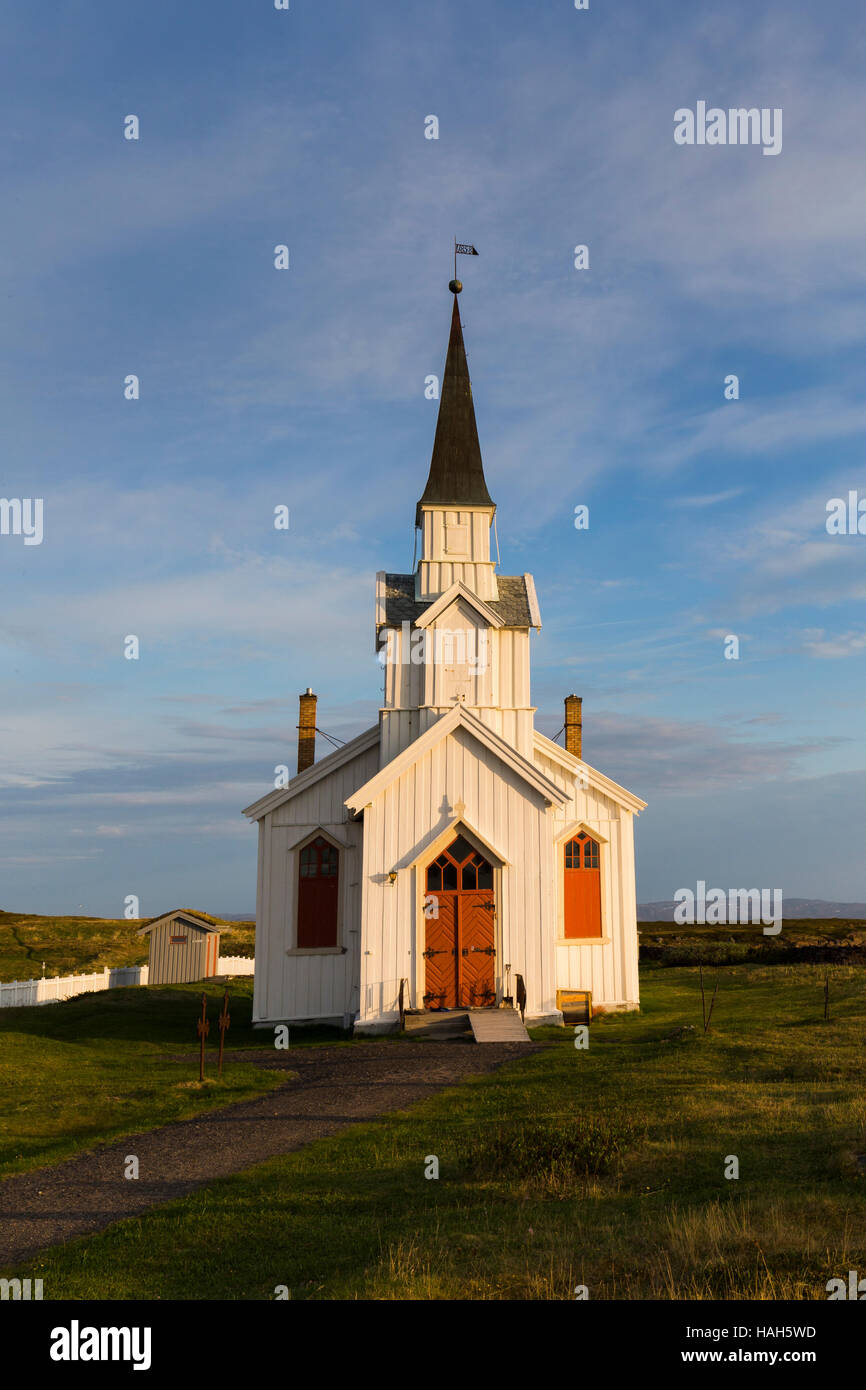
column 455, row 632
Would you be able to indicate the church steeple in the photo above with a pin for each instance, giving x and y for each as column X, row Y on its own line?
column 456, row 511
column 456, row 477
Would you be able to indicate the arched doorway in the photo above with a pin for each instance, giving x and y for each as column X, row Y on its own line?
column 582, row 887
column 459, row 955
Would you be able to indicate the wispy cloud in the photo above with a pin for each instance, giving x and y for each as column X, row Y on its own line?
column 710, row 499
column 817, row 643
column 306, row 388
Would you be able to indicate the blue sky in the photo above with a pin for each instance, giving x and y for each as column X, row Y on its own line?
column 306, row 387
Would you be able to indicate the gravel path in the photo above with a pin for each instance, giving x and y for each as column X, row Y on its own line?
column 335, row 1087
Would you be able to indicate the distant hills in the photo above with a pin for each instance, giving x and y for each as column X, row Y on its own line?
column 791, row 908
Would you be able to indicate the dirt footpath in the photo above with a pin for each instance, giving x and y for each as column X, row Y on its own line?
column 335, row 1087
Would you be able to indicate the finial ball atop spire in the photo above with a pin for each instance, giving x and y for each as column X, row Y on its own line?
column 455, row 286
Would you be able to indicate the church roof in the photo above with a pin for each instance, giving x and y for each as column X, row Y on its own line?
column 456, row 475
column 355, row 748
column 514, row 605
column 589, row 775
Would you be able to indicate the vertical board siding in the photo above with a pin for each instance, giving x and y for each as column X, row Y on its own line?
column 309, row 986
column 609, row 970
column 394, row 832
column 408, row 815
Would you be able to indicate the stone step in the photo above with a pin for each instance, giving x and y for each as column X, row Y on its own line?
column 448, row 1023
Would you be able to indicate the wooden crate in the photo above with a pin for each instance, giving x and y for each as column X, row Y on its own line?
column 576, row 1005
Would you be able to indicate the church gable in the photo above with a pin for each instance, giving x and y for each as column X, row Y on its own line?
column 461, row 718
column 458, row 604
column 517, row 606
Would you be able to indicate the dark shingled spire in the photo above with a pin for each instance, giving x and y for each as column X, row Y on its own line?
column 456, row 472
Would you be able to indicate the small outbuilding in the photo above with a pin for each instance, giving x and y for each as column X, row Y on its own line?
column 183, row 947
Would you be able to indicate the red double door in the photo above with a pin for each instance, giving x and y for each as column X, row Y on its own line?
column 460, row 915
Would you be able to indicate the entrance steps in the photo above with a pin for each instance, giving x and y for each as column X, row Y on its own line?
column 480, row 1025
column 497, row 1025
column 439, row 1023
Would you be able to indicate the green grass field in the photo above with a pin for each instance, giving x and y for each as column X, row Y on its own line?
column 602, row 1168
column 81, row 945
column 814, row 930
column 800, row 939
column 100, row 1065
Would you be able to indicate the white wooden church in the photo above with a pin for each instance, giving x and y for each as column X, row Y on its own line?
column 451, row 848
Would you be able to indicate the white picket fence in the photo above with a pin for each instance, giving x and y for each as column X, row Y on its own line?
column 20, row 993
column 236, row 965
column 17, row 994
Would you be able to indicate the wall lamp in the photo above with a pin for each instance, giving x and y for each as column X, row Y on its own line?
column 392, row 877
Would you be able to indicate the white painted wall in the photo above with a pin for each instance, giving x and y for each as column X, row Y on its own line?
column 522, row 836
column 455, row 544
column 315, row 984
column 609, row 970
column 400, row 827
column 415, row 696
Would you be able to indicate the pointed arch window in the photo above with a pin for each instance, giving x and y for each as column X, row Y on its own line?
column 318, row 885
column 582, row 887
column 581, row 852
column 460, row 866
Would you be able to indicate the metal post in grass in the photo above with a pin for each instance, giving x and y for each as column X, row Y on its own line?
column 203, row 1030
column 712, row 1002
column 707, row 1016
column 224, row 1022
column 827, row 997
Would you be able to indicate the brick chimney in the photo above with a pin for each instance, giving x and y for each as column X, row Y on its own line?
column 574, row 724
column 307, row 730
